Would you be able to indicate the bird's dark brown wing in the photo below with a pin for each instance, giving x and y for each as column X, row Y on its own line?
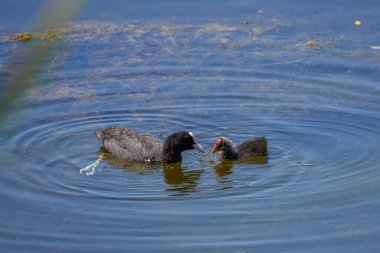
column 251, row 148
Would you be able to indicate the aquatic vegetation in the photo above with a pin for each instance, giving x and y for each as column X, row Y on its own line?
column 33, row 60
column 25, row 37
column 318, row 42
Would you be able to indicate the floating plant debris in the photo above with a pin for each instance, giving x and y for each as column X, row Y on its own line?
column 25, row 37
column 318, row 42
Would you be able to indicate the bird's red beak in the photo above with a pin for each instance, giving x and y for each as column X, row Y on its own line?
column 214, row 149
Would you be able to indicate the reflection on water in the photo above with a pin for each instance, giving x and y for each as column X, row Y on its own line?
column 224, row 168
column 179, row 179
column 175, row 176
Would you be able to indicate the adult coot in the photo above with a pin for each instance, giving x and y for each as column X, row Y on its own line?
column 245, row 150
column 141, row 147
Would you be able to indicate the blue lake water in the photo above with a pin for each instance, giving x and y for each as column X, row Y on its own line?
column 303, row 75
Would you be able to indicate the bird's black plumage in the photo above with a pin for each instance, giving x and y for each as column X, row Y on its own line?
column 141, row 147
column 245, row 150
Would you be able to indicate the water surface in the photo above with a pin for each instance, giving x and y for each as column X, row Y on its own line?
column 303, row 75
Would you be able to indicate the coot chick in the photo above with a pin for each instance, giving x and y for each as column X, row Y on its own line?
column 245, row 150
column 141, row 147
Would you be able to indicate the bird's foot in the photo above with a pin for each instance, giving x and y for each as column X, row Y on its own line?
column 89, row 170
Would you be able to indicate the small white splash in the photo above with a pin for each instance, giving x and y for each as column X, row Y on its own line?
column 375, row 47
column 215, row 158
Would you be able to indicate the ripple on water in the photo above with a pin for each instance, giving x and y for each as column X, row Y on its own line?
column 56, row 169
column 301, row 152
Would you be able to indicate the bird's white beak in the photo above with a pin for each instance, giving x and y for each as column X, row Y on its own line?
column 198, row 148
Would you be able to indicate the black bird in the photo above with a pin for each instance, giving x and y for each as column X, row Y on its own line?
column 141, row 147
column 251, row 148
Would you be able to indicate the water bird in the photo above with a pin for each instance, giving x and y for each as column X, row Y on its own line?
column 133, row 146
column 248, row 149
